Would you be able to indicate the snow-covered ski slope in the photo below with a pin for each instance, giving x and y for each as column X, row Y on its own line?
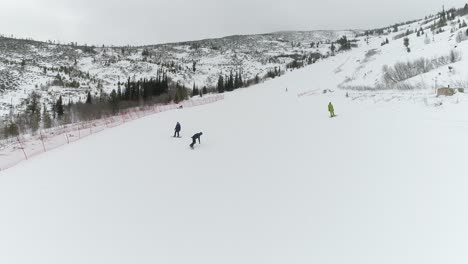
column 275, row 180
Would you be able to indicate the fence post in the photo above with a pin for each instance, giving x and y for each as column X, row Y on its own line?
column 21, row 146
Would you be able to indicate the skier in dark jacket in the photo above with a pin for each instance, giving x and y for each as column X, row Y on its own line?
column 177, row 130
column 194, row 139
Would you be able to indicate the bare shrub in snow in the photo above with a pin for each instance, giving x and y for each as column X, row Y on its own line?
column 409, row 86
column 427, row 40
column 402, row 71
column 459, row 83
column 455, row 56
column 371, row 53
column 382, row 86
column 461, row 36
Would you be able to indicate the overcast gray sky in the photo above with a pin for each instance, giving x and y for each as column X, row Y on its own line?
column 136, row 22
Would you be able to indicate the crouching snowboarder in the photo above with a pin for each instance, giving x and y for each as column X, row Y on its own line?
column 194, row 139
column 331, row 109
column 177, row 130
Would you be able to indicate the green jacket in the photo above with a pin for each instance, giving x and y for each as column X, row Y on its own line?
column 330, row 107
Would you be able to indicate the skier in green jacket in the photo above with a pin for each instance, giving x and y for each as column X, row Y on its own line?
column 331, row 109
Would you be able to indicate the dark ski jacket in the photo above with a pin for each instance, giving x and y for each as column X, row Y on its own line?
column 197, row 136
column 177, row 127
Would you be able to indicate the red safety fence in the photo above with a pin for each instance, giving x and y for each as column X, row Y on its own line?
column 16, row 150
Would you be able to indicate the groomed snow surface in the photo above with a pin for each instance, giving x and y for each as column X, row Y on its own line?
column 275, row 180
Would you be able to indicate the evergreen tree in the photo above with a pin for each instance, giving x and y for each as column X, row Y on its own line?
column 344, row 43
column 35, row 120
column 273, row 73
column 33, row 103
column 119, row 93
column 114, row 101
column 181, row 93
column 46, row 120
column 59, row 107
column 195, row 91
column 230, row 83
column 89, row 98
column 442, row 19
column 220, row 86
column 177, row 96
column 53, row 109
column 241, row 82
column 11, row 129
column 34, row 111
column 406, row 43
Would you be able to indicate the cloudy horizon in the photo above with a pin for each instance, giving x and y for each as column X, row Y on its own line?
column 142, row 22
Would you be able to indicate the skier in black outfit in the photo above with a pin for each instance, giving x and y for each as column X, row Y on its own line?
column 177, row 130
column 194, row 139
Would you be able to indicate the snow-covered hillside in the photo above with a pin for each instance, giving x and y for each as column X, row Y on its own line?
column 275, row 180
column 72, row 71
column 437, row 58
